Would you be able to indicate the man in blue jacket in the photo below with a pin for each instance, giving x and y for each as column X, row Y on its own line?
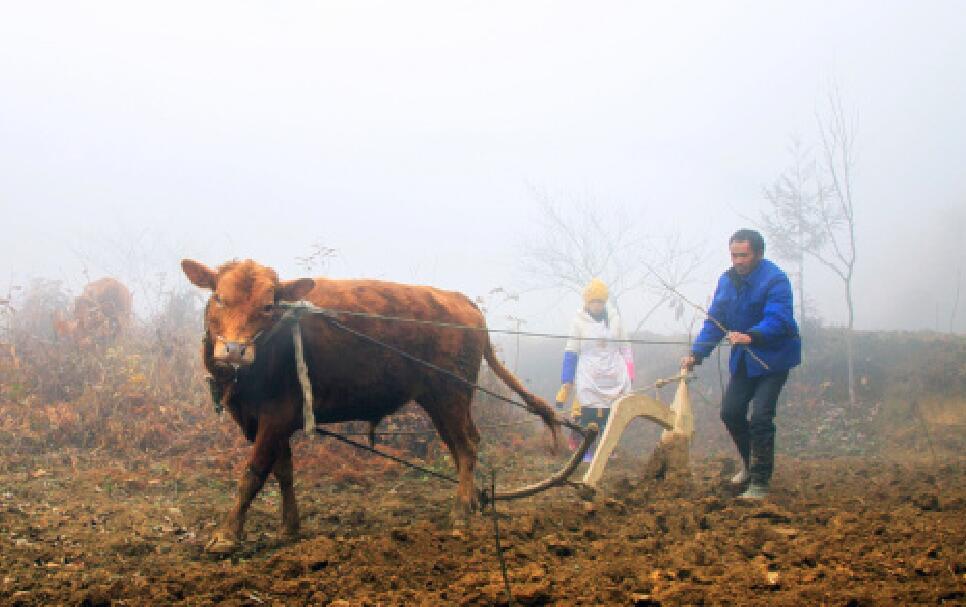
column 752, row 308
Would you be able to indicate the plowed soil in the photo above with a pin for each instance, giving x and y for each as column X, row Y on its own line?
column 87, row 529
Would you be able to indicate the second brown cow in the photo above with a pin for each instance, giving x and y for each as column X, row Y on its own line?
column 101, row 313
column 351, row 378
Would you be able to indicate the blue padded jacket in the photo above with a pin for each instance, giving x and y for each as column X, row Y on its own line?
column 759, row 304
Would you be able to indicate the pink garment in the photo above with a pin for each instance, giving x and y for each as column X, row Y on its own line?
column 629, row 361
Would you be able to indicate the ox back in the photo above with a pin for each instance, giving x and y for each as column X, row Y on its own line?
column 354, row 379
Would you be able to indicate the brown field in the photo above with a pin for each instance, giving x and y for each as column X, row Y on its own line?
column 114, row 471
column 82, row 527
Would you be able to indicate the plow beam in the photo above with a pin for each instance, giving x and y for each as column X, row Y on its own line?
column 561, row 477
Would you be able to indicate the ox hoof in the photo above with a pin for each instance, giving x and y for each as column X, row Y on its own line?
column 221, row 543
column 584, row 491
column 460, row 519
column 290, row 536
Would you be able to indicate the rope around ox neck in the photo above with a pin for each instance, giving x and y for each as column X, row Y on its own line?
column 308, row 413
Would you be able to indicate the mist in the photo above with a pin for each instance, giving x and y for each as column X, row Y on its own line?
column 411, row 139
column 510, row 151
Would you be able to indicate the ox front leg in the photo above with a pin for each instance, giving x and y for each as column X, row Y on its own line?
column 228, row 537
column 290, row 509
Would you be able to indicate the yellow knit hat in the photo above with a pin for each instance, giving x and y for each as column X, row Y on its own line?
column 596, row 289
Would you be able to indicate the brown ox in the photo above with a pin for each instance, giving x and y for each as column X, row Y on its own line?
column 351, row 378
column 101, row 313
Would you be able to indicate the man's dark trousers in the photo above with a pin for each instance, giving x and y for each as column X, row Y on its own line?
column 754, row 438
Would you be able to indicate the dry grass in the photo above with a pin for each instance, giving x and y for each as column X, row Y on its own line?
column 144, row 395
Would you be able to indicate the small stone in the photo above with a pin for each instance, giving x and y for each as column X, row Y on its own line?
column 771, row 512
column 615, row 505
column 532, row 593
column 529, row 525
column 788, row 533
column 558, row 546
column 641, row 599
column 927, row 501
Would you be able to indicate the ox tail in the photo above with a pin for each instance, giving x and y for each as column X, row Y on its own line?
column 535, row 404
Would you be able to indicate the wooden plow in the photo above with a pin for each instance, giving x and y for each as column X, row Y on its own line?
column 677, row 419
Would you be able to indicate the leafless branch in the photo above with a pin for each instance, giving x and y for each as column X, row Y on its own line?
column 576, row 242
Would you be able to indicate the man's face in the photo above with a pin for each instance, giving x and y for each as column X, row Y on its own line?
column 743, row 258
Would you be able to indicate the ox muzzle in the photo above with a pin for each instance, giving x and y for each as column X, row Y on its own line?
column 236, row 353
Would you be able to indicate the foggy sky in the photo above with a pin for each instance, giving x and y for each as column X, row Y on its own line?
column 409, row 136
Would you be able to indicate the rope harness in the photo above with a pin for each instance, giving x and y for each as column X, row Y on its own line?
column 452, row 325
column 294, row 312
column 292, row 316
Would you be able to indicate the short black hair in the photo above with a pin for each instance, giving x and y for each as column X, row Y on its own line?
column 752, row 237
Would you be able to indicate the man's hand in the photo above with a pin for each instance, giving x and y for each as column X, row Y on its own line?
column 688, row 362
column 739, row 339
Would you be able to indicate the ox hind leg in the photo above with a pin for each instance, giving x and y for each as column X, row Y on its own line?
column 455, row 425
column 264, row 456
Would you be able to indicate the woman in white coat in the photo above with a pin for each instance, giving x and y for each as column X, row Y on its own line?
column 597, row 367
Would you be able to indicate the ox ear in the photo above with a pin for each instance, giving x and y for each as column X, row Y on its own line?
column 294, row 290
column 199, row 274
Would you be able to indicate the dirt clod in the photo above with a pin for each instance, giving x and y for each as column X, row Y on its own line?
column 639, row 542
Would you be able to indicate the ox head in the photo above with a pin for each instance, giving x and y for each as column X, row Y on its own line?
column 243, row 304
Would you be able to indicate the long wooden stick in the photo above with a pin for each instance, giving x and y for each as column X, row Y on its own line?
column 704, row 311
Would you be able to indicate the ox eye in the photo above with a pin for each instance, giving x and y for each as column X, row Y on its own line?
column 268, row 308
column 217, row 299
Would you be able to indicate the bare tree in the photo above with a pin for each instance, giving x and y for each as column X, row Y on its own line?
column 140, row 258
column 581, row 240
column 578, row 242
column 318, row 257
column 670, row 261
column 812, row 212
column 794, row 223
column 837, row 209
